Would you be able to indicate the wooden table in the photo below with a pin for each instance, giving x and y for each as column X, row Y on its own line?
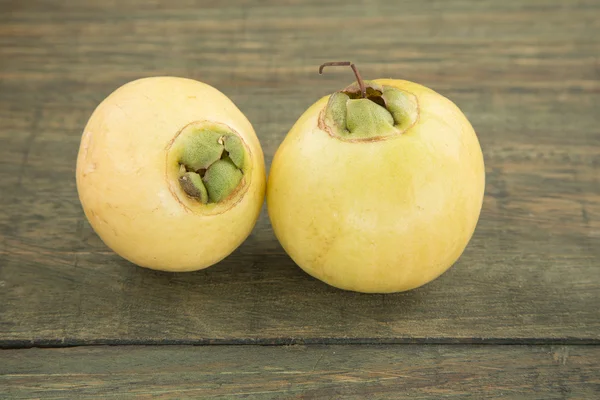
column 517, row 317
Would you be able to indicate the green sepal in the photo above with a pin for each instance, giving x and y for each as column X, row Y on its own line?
column 221, row 179
column 235, row 148
column 335, row 112
column 202, row 150
column 402, row 108
column 365, row 118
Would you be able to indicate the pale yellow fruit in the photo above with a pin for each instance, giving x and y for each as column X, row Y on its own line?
column 379, row 214
column 128, row 175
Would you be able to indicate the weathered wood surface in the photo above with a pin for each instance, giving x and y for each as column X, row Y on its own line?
column 300, row 372
column 527, row 74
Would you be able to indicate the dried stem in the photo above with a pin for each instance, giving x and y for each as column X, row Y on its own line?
column 363, row 89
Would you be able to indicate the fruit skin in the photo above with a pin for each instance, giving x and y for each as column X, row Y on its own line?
column 130, row 197
column 378, row 216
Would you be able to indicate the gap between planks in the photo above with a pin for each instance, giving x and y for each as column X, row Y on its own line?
column 63, row 343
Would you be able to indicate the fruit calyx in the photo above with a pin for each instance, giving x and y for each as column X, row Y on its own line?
column 366, row 111
column 211, row 162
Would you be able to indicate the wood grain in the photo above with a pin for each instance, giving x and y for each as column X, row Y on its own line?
column 299, row 372
column 526, row 73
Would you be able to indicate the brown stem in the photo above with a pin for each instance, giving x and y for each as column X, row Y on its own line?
column 363, row 89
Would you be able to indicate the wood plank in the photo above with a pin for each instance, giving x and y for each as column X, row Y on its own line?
column 525, row 73
column 303, row 372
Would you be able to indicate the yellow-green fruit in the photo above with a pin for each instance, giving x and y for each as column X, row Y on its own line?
column 378, row 194
column 170, row 174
